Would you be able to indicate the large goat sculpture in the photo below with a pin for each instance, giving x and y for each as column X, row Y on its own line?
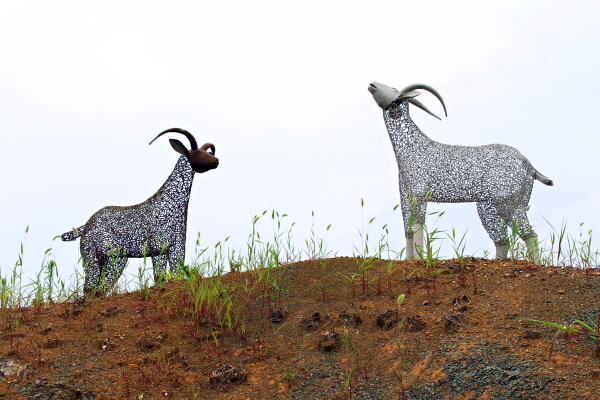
column 495, row 176
column 155, row 228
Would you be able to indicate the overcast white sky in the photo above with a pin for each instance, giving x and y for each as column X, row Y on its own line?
column 281, row 89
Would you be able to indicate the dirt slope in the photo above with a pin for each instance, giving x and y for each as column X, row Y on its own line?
column 315, row 330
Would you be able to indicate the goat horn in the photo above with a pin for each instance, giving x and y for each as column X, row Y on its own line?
column 188, row 135
column 207, row 146
column 417, row 103
column 430, row 90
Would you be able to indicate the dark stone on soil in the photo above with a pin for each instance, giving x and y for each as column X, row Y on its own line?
column 147, row 343
column 54, row 343
column 461, row 300
column 74, row 312
column 228, row 374
column 110, row 311
column 415, row 324
column 55, row 391
column 329, row 341
column 349, row 319
column 490, row 373
column 454, row 322
column 388, row 319
column 311, row 323
column 532, row 334
column 106, row 344
column 278, row 314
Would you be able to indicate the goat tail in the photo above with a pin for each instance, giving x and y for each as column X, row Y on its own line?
column 544, row 179
column 72, row 235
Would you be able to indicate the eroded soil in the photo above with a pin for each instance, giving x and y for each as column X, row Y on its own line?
column 306, row 332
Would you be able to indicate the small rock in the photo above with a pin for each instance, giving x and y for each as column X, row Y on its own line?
column 415, row 324
column 227, row 374
column 54, row 343
column 438, row 302
column 106, row 344
column 511, row 315
column 329, row 341
column 454, row 322
column 561, row 292
column 76, row 311
column 278, row 314
column 464, row 299
column 388, row 319
column 532, row 334
column 12, row 368
column 595, row 374
column 425, row 303
column 311, row 323
column 348, row 319
column 110, row 311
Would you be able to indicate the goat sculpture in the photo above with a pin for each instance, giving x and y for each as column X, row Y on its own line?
column 155, row 228
column 495, row 176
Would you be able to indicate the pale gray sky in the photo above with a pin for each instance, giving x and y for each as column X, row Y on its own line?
column 281, row 89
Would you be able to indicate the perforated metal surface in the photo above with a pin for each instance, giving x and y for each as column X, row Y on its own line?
column 155, row 228
column 497, row 177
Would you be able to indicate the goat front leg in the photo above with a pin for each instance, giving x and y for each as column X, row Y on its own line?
column 113, row 271
column 159, row 264
column 414, row 221
column 176, row 258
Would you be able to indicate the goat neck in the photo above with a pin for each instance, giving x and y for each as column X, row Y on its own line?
column 178, row 185
column 405, row 135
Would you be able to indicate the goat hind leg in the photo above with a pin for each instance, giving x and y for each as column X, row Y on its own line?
column 528, row 235
column 495, row 227
column 92, row 270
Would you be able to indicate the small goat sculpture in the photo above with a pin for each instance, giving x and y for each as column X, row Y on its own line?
column 495, row 176
column 155, row 228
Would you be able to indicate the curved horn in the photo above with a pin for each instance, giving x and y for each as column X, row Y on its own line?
column 417, row 103
column 207, row 146
column 188, row 135
column 430, row 90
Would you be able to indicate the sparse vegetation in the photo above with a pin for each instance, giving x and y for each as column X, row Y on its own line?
column 230, row 305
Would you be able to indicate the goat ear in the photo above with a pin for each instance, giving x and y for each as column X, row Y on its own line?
column 407, row 95
column 178, row 147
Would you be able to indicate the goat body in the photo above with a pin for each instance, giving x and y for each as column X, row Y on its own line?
column 497, row 177
column 155, row 228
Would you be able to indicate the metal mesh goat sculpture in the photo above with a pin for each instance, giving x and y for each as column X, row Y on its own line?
column 495, row 176
column 155, row 228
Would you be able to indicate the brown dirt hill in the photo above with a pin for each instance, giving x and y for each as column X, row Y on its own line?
column 321, row 329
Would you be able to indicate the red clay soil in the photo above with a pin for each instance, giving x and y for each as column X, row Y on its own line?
column 314, row 333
